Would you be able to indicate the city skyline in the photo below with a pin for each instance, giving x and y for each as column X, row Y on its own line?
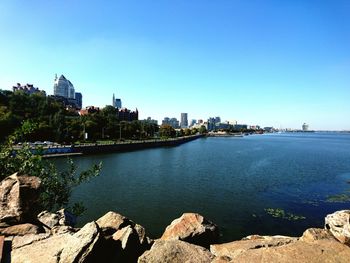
column 267, row 63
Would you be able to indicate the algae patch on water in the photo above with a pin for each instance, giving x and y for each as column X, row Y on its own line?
column 280, row 213
column 340, row 198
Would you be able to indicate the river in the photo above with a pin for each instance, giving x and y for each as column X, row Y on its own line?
column 235, row 182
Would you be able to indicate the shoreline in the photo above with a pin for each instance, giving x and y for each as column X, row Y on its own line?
column 82, row 149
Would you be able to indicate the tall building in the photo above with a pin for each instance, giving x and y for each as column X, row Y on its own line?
column 184, row 121
column 117, row 103
column 63, row 87
column 79, row 99
column 173, row 122
column 305, row 127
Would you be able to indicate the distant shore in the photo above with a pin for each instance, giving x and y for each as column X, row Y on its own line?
column 94, row 148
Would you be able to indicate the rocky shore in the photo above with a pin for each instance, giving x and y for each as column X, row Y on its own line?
column 29, row 235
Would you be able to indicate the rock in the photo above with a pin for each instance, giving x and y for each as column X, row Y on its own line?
column 49, row 219
column 235, row 248
column 66, row 218
column 192, row 228
column 19, row 197
column 41, row 248
column 21, row 230
column 313, row 234
column 21, row 241
column 143, row 239
column 2, row 242
column 338, row 224
column 80, row 247
column 111, row 222
column 175, row 251
column 58, row 230
column 131, row 242
column 283, row 249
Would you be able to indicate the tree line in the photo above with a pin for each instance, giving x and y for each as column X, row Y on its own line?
column 36, row 117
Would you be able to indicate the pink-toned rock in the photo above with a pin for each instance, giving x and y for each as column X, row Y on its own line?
column 317, row 247
column 19, row 197
column 192, row 228
column 338, row 224
column 313, row 234
column 175, row 251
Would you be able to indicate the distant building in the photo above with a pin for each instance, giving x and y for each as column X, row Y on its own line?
column 63, row 87
column 254, row 127
column 124, row 114
column 184, row 120
column 173, row 122
column 79, row 100
column 89, row 110
column 117, row 103
column 212, row 123
column 150, row 120
column 269, row 129
column 193, row 122
column 305, row 127
column 240, row 126
column 28, row 89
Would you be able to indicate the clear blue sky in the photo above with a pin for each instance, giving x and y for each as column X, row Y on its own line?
column 273, row 63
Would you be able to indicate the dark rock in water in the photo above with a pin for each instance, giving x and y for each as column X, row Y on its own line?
column 338, row 224
column 175, row 251
column 19, row 197
column 192, row 228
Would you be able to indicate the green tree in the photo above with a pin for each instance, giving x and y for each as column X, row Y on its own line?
column 56, row 186
column 202, row 130
column 167, row 131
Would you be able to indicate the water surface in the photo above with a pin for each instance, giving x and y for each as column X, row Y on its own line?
column 229, row 180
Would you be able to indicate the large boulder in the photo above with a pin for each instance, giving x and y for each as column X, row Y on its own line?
column 192, row 228
column 315, row 246
column 19, row 197
column 60, row 218
column 313, row 234
column 124, row 240
column 48, row 219
column 80, row 248
column 338, row 224
column 131, row 242
column 43, row 248
column 21, row 230
column 112, row 221
column 175, row 251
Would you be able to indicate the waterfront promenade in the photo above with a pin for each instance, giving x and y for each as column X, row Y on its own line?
column 111, row 147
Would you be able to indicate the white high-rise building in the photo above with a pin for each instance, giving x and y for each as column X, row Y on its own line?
column 63, row 87
column 305, row 127
column 184, row 120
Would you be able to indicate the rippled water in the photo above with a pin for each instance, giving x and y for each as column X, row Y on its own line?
column 229, row 180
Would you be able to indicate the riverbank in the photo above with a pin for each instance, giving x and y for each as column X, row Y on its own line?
column 86, row 149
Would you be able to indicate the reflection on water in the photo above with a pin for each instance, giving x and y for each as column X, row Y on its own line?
column 231, row 181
